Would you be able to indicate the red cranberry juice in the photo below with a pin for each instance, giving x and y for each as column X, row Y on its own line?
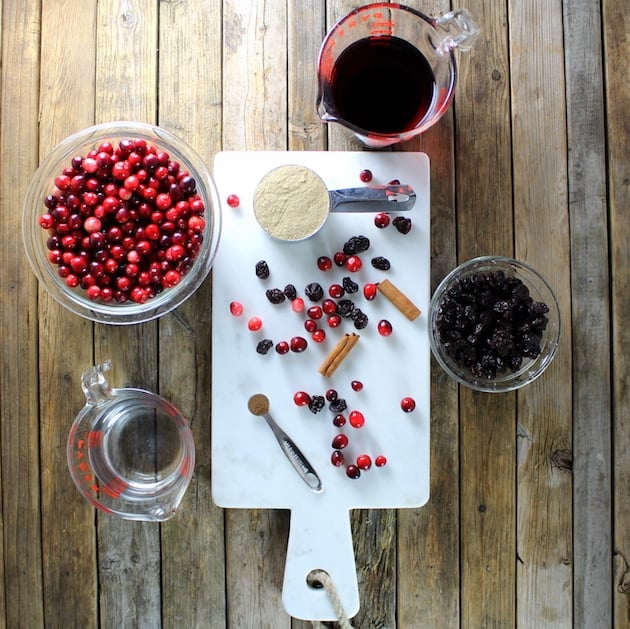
column 382, row 84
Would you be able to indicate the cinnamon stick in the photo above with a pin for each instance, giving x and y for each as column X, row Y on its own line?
column 399, row 299
column 338, row 354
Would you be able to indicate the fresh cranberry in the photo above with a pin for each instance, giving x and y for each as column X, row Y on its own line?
column 336, row 291
column 282, row 347
column 324, row 263
column 339, row 258
column 297, row 305
column 366, row 175
column 381, row 220
column 356, row 419
column 254, row 324
column 314, row 312
column 310, row 325
column 340, row 441
column 233, row 201
column 364, row 462
column 407, row 404
column 329, row 306
column 298, row 344
column 339, row 420
column 331, row 395
column 352, row 471
column 353, row 264
column 384, row 327
column 46, row 221
column 301, row 398
column 319, row 335
column 369, row 291
column 380, row 461
column 334, row 321
column 236, row 308
column 337, row 458
column 356, row 385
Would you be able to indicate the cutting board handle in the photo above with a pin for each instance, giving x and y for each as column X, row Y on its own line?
column 319, row 540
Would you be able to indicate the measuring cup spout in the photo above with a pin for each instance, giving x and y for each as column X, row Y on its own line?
column 94, row 384
column 455, row 29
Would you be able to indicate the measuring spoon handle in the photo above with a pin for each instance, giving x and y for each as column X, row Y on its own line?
column 295, row 456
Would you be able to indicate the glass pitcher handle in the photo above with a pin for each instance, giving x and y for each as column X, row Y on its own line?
column 94, row 384
column 458, row 30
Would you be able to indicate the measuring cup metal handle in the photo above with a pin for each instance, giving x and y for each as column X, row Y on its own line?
column 393, row 198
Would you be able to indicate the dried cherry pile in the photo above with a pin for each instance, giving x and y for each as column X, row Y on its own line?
column 488, row 323
column 125, row 222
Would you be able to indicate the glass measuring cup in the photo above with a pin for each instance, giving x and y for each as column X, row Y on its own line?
column 130, row 452
column 387, row 72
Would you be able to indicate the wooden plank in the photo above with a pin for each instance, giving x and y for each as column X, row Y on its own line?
column 429, row 538
column 487, row 422
column 544, row 591
column 592, row 465
column 126, row 75
column 617, row 55
column 65, row 341
column 21, row 598
column 193, row 545
column 255, row 118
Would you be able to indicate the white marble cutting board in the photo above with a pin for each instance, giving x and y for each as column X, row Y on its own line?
column 248, row 468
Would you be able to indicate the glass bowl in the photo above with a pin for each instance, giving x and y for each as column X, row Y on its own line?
column 488, row 328
column 200, row 239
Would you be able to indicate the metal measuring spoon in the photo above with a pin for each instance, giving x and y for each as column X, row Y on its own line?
column 258, row 404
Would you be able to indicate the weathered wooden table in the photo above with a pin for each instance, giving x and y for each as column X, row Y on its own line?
column 527, row 524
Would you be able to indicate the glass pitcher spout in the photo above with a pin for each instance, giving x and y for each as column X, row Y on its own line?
column 456, row 29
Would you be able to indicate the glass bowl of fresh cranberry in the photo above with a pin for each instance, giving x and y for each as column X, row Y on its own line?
column 494, row 324
column 121, row 222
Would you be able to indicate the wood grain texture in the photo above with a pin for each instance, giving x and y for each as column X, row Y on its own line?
column 592, row 419
column 617, row 48
column 65, row 340
column 21, row 598
column 541, row 239
column 192, row 544
column 126, row 72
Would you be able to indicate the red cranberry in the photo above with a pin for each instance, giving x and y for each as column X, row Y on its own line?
column 254, row 324
column 340, row 442
column 366, row 175
column 384, row 327
column 236, row 308
column 381, row 220
column 356, row 419
column 301, row 398
column 319, row 335
column 310, row 325
column 336, row 291
column 282, row 347
column 339, row 258
column 356, row 385
column 298, row 344
column 380, row 461
column 339, row 420
column 314, row 312
column 233, row 200
column 337, row 458
column 331, row 395
column 297, row 305
column 324, row 263
column 352, row 471
column 329, row 306
column 364, row 462
column 369, row 291
column 407, row 404
column 353, row 264
column 334, row 321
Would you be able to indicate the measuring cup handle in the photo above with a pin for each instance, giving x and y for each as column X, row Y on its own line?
column 373, row 199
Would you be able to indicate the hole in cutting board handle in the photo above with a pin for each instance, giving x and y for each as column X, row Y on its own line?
column 313, row 580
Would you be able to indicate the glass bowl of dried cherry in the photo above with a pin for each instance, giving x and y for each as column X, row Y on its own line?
column 494, row 324
column 121, row 222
